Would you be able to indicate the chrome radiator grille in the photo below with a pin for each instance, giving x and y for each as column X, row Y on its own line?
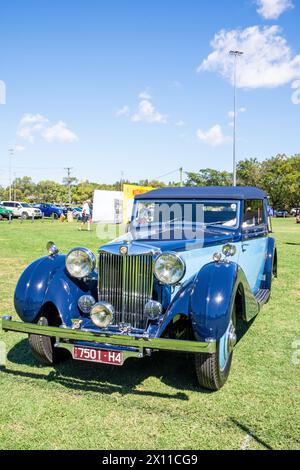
column 126, row 282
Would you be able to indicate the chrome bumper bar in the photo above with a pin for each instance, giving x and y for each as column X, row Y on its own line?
column 137, row 341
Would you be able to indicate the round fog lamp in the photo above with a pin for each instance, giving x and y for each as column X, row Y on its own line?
column 153, row 310
column 85, row 303
column 102, row 314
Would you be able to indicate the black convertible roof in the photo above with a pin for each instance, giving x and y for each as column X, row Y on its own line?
column 204, row 192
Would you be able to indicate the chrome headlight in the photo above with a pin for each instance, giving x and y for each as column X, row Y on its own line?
column 80, row 262
column 169, row 268
column 102, row 314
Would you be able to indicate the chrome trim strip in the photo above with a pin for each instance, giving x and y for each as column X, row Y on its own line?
column 137, row 341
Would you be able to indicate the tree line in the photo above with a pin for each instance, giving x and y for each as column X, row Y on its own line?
column 279, row 176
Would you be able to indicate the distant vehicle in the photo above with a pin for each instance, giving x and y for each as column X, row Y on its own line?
column 63, row 209
column 298, row 219
column 4, row 213
column 282, row 214
column 22, row 209
column 49, row 210
column 77, row 213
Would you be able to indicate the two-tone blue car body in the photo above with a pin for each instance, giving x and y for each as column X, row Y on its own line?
column 194, row 263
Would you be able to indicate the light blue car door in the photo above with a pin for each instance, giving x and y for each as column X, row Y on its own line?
column 253, row 250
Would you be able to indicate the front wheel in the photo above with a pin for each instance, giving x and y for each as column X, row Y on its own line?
column 42, row 347
column 212, row 370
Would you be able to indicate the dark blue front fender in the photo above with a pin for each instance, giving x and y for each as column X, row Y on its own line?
column 207, row 300
column 46, row 280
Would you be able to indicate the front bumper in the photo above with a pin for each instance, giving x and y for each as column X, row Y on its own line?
column 137, row 341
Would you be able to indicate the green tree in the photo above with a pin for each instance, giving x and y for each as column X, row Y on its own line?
column 249, row 172
column 209, row 177
column 277, row 178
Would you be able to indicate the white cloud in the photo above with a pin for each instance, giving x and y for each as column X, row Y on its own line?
column 268, row 60
column 32, row 125
column 59, row 133
column 124, row 111
column 180, row 123
column 147, row 113
column 213, row 137
column 239, row 111
column 32, row 119
column 273, row 9
column 145, row 95
column 20, row 148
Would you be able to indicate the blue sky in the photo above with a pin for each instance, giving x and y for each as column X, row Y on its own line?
column 130, row 85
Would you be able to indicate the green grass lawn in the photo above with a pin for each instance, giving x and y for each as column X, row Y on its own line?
column 152, row 403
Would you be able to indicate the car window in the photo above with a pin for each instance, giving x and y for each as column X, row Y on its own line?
column 185, row 212
column 8, row 204
column 253, row 213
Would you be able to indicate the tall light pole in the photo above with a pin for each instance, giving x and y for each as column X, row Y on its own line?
column 11, row 154
column 236, row 54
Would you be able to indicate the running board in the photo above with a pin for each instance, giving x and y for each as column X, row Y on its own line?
column 262, row 296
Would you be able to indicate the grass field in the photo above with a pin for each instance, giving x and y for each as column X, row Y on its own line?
column 152, row 403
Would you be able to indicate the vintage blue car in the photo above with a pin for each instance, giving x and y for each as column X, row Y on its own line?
column 194, row 262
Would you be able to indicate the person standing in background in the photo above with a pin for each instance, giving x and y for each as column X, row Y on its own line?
column 86, row 216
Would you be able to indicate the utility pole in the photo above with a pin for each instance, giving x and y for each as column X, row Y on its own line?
column 69, row 182
column 236, row 55
column 11, row 154
column 181, row 176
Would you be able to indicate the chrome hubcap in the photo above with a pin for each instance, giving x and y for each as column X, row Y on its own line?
column 232, row 338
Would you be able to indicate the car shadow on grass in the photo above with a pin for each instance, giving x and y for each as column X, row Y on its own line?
column 173, row 369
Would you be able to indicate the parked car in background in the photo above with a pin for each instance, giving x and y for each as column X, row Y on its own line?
column 5, row 213
column 49, row 210
column 77, row 213
column 22, row 209
column 63, row 209
column 282, row 214
column 195, row 262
